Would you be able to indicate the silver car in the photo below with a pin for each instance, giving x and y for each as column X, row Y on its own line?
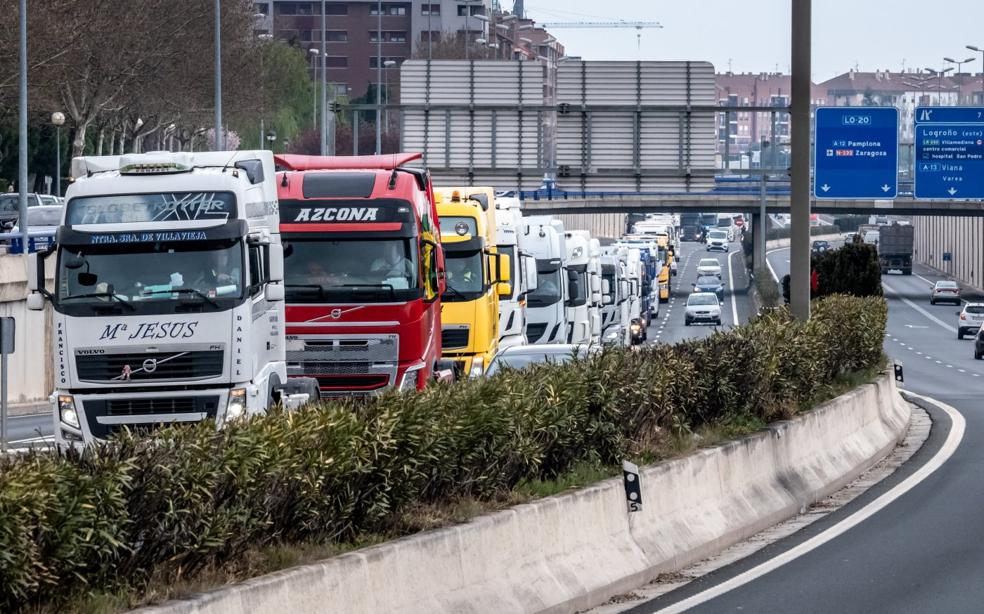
column 971, row 317
column 708, row 266
column 945, row 291
column 702, row 307
column 522, row 356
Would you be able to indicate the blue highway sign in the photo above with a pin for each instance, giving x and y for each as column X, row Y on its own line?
column 949, row 152
column 856, row 152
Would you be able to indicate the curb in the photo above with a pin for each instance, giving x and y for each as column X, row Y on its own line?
column 573, row 551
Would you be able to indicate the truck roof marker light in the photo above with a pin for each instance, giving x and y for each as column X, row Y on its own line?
column 392, row 182
column 154, row 168
column 456, row 196
column 283, row 181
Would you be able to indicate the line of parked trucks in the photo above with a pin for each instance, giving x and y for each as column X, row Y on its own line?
column 193, row 286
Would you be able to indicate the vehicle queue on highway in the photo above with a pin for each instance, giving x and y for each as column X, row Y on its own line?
column 192, row 286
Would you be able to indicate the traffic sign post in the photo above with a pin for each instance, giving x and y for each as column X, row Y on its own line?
column 856, row 153
column 949, row 152
column 6, row 347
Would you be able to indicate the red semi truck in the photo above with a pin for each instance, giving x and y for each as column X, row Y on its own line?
column 363, row 271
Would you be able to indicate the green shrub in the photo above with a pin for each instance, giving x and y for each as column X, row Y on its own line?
column 135, row 508
column 852, row 269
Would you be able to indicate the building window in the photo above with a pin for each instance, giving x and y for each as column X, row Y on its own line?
column 336, row 61
column 388, row 37
column 430, row 9
column 435, row 36
column 477, row 9
column 336, row 9
column 336, row 36
column 296, row 8
column 389, row 9
column 262, row 8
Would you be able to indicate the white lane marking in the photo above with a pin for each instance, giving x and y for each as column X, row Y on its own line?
column 33, row 439
column 919, row 309
column 731, row 284
column 961, row 370
column 769, row 264
column 919, row 353
column 942, row 455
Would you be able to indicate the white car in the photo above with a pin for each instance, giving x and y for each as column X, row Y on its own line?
column 717, row 239
column 708, row 266
column 702, row 307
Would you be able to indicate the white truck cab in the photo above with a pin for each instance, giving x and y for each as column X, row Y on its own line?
column 512, row 308
column 634, row 274
column 168, row 297
column 615, row 321
column 584, row 280
column 546, row 315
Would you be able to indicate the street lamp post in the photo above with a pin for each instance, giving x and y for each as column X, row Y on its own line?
column 264, row 38
column 324, row 87
column 959, row 63
column 981, row 51
column 58, row 119
column 939, row 74
column 379, row 76
column 387, row 64
column 314, row 94
column 219, row 133
column 21, row 150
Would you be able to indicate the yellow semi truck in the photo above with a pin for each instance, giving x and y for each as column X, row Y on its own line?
column 477, row 275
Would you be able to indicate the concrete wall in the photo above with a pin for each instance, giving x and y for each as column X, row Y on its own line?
column 963, row 237
column 574, row 551
column 604, row 225
column 30, row 376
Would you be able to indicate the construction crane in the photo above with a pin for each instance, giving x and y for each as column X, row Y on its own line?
column 638, row 25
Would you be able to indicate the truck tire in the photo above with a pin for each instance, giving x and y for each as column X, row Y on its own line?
column 960, row 334
column 907, row 271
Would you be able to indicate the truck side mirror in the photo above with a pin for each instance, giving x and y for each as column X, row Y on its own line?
column 35, row 301
column 504, row 288
column 532, row 280
column 606, row 287
column 274, row 292
column 35, row 272
column 276, row 265
column 503, row 268
column 596, row 284
column 606, row 299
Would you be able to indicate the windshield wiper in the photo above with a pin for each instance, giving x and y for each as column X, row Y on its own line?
column 111, row 295
column 454, row 291
column 197, row 293
column 319, row 289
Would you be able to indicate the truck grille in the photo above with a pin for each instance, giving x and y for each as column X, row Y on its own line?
column 144, row 406
column 145, row 366
column 454, row 338
column 343, row 363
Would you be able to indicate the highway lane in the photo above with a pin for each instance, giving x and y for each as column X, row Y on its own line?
column 669, row 327
column 920, row 553
column 30, row 429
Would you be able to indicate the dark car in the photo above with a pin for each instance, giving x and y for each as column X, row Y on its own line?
column 820, row 246
column 979, row 344
column 710, row 283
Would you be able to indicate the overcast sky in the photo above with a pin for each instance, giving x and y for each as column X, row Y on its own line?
column 754, row 34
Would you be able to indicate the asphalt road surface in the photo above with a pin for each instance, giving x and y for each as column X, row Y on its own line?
column 30, row 430
column 669, row 326
column 920, row 553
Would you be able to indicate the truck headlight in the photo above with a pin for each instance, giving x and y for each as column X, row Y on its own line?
column 67, row 412
column 411, row 378
column 612, row 336
column 477, row 367
column 236, row 405
column 636, row 327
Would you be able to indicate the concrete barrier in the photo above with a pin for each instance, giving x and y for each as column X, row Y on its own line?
column 574, row 551
column 31, row 377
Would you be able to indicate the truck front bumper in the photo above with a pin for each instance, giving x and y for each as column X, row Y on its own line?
column 85, row 417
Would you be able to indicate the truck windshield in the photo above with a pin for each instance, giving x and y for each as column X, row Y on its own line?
column 464, row 275
column 350, row 270
column 152, row 277
column 548, row 285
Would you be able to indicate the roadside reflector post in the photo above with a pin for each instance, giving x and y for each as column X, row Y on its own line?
column 633, row 489
column 899, row 375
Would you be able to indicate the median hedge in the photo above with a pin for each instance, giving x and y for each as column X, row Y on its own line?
column 121, row 513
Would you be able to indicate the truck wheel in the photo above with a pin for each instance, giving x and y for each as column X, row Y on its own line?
column 907, row 271
column 960, row 334
column 977, row 355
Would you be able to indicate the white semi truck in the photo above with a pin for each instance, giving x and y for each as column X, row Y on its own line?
column 511, row 240
column 546, row 316
column 584, row 279
column 615, row 320
column 168, row 296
